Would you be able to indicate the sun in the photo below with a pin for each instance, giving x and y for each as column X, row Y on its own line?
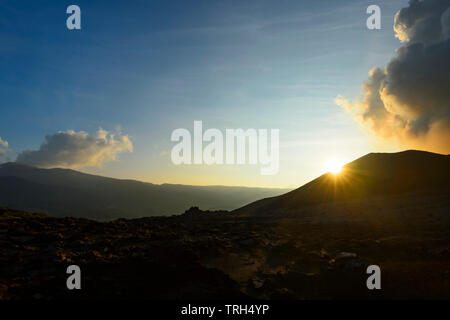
column 334, row 166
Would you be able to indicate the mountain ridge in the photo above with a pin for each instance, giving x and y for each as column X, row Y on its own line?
column 368, row 176
column 66, row 192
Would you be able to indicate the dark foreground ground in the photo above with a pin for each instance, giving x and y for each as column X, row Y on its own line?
column 318, row 252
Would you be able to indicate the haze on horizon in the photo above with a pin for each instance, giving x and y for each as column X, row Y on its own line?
column 105, row 99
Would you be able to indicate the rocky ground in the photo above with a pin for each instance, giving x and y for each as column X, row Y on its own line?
column 319, row 252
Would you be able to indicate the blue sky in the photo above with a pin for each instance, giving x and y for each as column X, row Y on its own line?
column 153, row 66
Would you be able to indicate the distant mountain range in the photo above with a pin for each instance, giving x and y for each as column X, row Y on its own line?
column 375, row 174
column 64, row 192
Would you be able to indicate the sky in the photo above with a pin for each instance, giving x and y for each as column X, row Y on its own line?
column 141, row 69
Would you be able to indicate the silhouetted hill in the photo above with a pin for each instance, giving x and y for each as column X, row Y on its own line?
column 316, row 242
column 375, row 174
column 63, row 192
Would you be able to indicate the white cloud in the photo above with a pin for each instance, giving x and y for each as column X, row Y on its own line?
column 72, row 149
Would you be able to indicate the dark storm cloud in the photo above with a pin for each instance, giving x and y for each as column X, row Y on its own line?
column 410, row 99
column 422, row 21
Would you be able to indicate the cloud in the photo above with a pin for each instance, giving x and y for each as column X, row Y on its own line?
column 3, row 146
column 423, row 21
column 72, row 149
column 409, row 100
